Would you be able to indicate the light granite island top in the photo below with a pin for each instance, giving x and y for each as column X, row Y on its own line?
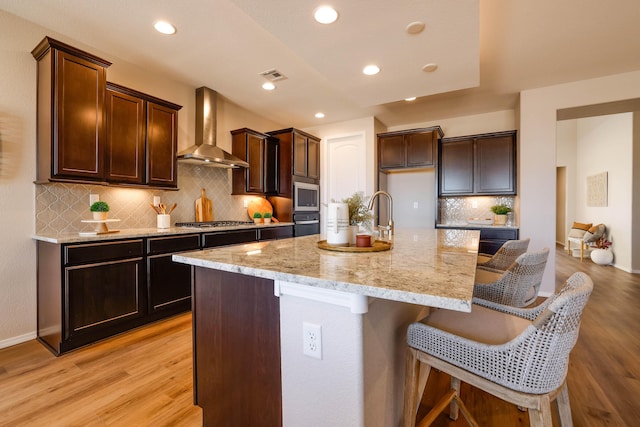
column 311, row 337
column 431, row 267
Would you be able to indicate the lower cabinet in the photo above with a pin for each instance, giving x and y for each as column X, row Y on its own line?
column 168, row 282
column 492, row 239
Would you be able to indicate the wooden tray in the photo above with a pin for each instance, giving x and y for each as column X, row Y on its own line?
column 378, row 245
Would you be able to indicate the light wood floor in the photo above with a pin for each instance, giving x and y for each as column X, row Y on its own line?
column 144, row 378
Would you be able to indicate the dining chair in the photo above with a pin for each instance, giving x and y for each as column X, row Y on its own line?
column 520, row 355
column 518, row 285
column 504, row 257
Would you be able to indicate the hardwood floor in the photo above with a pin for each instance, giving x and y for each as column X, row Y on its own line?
column 144, row 378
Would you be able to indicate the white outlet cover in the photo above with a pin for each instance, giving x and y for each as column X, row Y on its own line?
column 312, row 340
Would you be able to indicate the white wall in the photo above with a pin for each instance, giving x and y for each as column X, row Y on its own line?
column 603, row 145
column 469, row 125
column 18, row 156
column 538, row 109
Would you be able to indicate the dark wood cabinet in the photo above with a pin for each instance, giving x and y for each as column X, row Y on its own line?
column 478, row 165
column 70, row 114
column 491, row 239
column 87, row 292
column 261, row 152
column 93, row 131
column 236, row 357
column 168, row 282
column 413, row 148
column 142, row 138
column 299, row 157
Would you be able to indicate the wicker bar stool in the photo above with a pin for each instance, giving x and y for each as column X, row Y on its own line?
column 504, row 257
column 517, row 286
column 520, row 355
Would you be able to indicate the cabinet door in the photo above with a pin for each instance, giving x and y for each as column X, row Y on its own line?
column 495, row 165
column 168, row 283
column 299, row 155
column 391, row 152
column 125, row 138
column 419, row 149
column 162, row 142
column 456, row 167
column 100, row 295
column 271, row 165
column 79, row 116
column 255, row 158
column 313, row 158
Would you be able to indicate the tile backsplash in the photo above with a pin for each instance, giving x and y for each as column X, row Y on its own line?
column 456, row 210
column 60, row 207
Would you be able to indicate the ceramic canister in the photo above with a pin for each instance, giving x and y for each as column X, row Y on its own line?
column 338, row 231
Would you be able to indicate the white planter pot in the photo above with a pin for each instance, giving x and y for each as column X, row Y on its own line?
column 602, row 256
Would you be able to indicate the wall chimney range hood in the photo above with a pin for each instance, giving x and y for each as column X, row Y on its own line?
column 205, row 152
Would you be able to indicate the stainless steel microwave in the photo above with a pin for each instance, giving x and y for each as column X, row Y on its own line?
column 306, row 197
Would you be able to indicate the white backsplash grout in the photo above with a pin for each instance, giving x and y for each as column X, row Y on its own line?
column 60, row 207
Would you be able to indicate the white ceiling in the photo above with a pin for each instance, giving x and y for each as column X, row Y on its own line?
column 487, row 51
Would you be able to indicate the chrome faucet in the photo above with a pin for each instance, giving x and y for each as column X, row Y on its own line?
column 388, row 228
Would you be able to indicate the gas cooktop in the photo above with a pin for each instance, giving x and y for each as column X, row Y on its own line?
column 208, row 224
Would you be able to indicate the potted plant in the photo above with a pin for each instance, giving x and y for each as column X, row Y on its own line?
column 257, row 217
column 500, row 212
column 267, row 217
column 359, row 213
column 602, row 254
column 100, row 210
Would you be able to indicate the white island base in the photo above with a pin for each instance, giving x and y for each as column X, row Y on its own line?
column 359, row 380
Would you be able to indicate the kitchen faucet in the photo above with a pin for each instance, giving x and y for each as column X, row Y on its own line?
column 388, row 228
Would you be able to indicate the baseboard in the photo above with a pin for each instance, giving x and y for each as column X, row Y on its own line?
column 18, row 340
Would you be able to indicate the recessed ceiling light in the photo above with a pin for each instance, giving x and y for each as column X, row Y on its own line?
column 319, row 115
column 164, row 27
column 415, row 27
column 268, row 86
column 325, row 15
column 430, row 67
column 413, row 98
column 371, row 70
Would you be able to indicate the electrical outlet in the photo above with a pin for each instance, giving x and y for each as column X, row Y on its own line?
column 245, row 203
column 415, row 205
column 312, row 340
column 156, row 200
column 93, row 198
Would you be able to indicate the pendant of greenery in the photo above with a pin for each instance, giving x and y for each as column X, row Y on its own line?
column 358, row 209
column 99, row 206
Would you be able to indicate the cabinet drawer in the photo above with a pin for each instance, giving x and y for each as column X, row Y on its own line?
column 99, row 252
column 275, row 233
column 500, row 234
column 163, row 245
column 223, row 238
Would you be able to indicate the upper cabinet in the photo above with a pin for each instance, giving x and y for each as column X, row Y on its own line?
column 478, row 165
column 93, row 131
column 71, row 96
column 142, row 138
column 261, row 152
column 413, row 148
column 299, row 156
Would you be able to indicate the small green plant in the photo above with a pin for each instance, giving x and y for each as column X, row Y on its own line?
column 257, row 215
column 500, row 209
column 99, row 206
column 267, row 215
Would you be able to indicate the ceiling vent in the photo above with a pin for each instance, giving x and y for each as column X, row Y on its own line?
column 273, row 75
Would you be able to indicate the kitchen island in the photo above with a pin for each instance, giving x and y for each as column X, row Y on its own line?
column 250, row 303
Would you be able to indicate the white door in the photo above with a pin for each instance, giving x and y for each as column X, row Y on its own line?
column 344, row 169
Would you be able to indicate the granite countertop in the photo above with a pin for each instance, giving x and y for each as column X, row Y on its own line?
column 432, row 267
column 130, row 233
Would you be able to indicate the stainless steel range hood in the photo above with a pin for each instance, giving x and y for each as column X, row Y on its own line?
column 205, row 152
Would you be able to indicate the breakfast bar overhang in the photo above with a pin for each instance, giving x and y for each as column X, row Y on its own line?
column 250, row 303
